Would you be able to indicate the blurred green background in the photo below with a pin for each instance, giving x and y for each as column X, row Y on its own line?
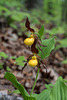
column 46, row 11
column 51, row 13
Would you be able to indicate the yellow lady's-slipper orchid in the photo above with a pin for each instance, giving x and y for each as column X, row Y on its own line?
column 33, row 62
column 29, row 41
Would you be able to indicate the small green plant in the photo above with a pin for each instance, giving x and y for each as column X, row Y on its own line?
column 40, row 49
column 3, row 55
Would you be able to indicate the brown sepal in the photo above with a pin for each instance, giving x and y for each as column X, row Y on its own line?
column 27, row 24
column 33, row 48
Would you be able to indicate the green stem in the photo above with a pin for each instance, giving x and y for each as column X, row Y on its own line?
column 35, row 82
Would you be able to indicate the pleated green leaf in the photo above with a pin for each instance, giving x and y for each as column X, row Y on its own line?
column 9, row 76
column 58, row 92
column 50, row 44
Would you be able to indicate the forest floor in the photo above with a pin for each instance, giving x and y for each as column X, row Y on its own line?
column 13, row 45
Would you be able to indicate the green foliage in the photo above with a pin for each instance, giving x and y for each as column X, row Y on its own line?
column 12, row 12
column 18, row 16
column 6, row 11
column 63, row 41
column 53, row 9
column 41, row 31
column 1, row 66
column 10, row 3
column 60, row 46
column 16, row 91
column 8, row 69
column 20, row 61
column 55, row 30
column 2, row 54
column 63, row 44
column 15, row 12
column 64, row 62
column 13, row 57
column 50, row 44
column 12, row 78
column 49, row 86
column 65, row 10
column 57, row 92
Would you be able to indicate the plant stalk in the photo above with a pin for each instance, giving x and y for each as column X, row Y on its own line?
column 35, row 82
